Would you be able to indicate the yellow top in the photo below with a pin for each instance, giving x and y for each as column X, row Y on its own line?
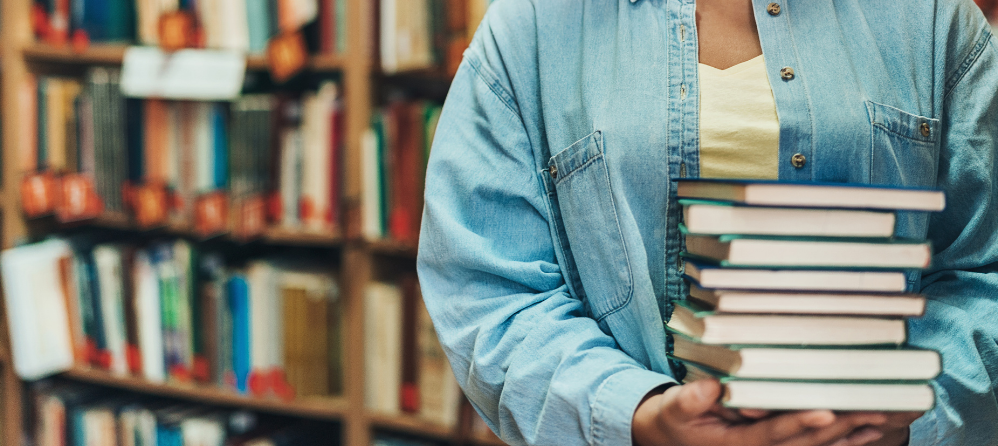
column 739, row 129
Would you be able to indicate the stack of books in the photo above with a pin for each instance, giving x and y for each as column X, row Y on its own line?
column 798, row 295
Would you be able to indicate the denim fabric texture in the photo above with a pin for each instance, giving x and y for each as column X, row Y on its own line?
column 549, row 252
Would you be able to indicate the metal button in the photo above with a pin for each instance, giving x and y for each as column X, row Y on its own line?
column 798, row 160
column 773, row 9
column 554, row 171
column 926, row 130
column 787, row 73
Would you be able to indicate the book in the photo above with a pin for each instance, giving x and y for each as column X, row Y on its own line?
column 780, row 279
column 762, row 362
column 714, row 328
column 839, row 396
column 715, row 217
column 382, row 347
column 824, row 195
column 739, row 301
column 35, row 307
column 744, row 251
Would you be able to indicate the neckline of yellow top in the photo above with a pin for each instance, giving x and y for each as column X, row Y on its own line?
column 734, row 69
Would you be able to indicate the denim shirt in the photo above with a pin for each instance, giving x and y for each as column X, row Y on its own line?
column 549, row 252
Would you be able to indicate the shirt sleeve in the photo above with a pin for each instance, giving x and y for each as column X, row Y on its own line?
column 527, row 356
column 962, row 285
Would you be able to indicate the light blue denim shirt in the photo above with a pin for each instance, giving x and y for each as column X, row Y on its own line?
column 549, row 252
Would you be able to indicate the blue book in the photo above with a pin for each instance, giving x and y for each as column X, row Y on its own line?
column 239, row 306
column 258, row 21
column 220, row 145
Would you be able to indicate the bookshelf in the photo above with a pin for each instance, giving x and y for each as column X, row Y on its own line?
column 360, row 260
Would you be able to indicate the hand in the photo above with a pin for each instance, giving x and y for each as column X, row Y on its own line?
column 895, row 430
column 689, row 415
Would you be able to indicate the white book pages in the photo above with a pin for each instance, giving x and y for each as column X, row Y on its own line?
column 36, row 309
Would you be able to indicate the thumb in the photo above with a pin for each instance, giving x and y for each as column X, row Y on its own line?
column 694, row 399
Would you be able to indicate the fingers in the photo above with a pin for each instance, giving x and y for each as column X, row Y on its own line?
column 754, row 414
column 842, row 432
column 783, row 427
column 902, row 419
column 692, row 400
column 861, row 437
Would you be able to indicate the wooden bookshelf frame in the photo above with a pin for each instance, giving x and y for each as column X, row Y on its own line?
column 20, row 55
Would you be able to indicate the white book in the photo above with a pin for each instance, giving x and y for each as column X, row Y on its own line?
column 36, row 308
column 731, row 250
column 234, row 29
column 262, row 280
column 702, row 217
column 291, row 172
column 108, row 261
column 825, row 195
column 761, row 362
column 784, row 395
column 149, row 318
column 757, row 329
column 814, row 280
column 204, row 148
column 439, row 392
column 317, row 129
column 382, row 347
column 785, row 302
column 371, row 195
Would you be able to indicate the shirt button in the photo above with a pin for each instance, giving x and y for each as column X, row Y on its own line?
column 554, row 171
column 926, row 130
column 787, row 73
column 798, row 160
column 773, row 9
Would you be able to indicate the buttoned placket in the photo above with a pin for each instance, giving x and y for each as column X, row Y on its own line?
column 684, row 135
column 773, row 19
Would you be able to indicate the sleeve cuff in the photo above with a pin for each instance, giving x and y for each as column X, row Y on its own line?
column 616, row 400
column 924, row 431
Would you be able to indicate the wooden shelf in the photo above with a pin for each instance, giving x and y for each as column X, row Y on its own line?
column 271, row 236
column 392, row 248
column 94, row 55
column 488, row 439
column 331, row 408
column 114, row 54
column 409, row 424
column 280, row 236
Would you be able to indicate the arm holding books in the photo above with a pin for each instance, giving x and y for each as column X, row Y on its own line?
column 962, row 284
column 534, row 364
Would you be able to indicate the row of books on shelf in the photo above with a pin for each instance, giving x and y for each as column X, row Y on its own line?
column 393, row 168
column 425, row 34
column 278, row 152
column 73, row 415
column 798, row 295
column 169, row 313
column 239, row 25
column 406, row 368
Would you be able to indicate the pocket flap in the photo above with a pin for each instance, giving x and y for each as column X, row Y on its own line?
column 902, row 123
column 577, row 155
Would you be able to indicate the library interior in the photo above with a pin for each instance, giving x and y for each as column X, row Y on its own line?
column 210, row 213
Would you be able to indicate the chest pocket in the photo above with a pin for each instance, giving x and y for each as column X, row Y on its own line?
column 904, row 147
column 582, row 185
